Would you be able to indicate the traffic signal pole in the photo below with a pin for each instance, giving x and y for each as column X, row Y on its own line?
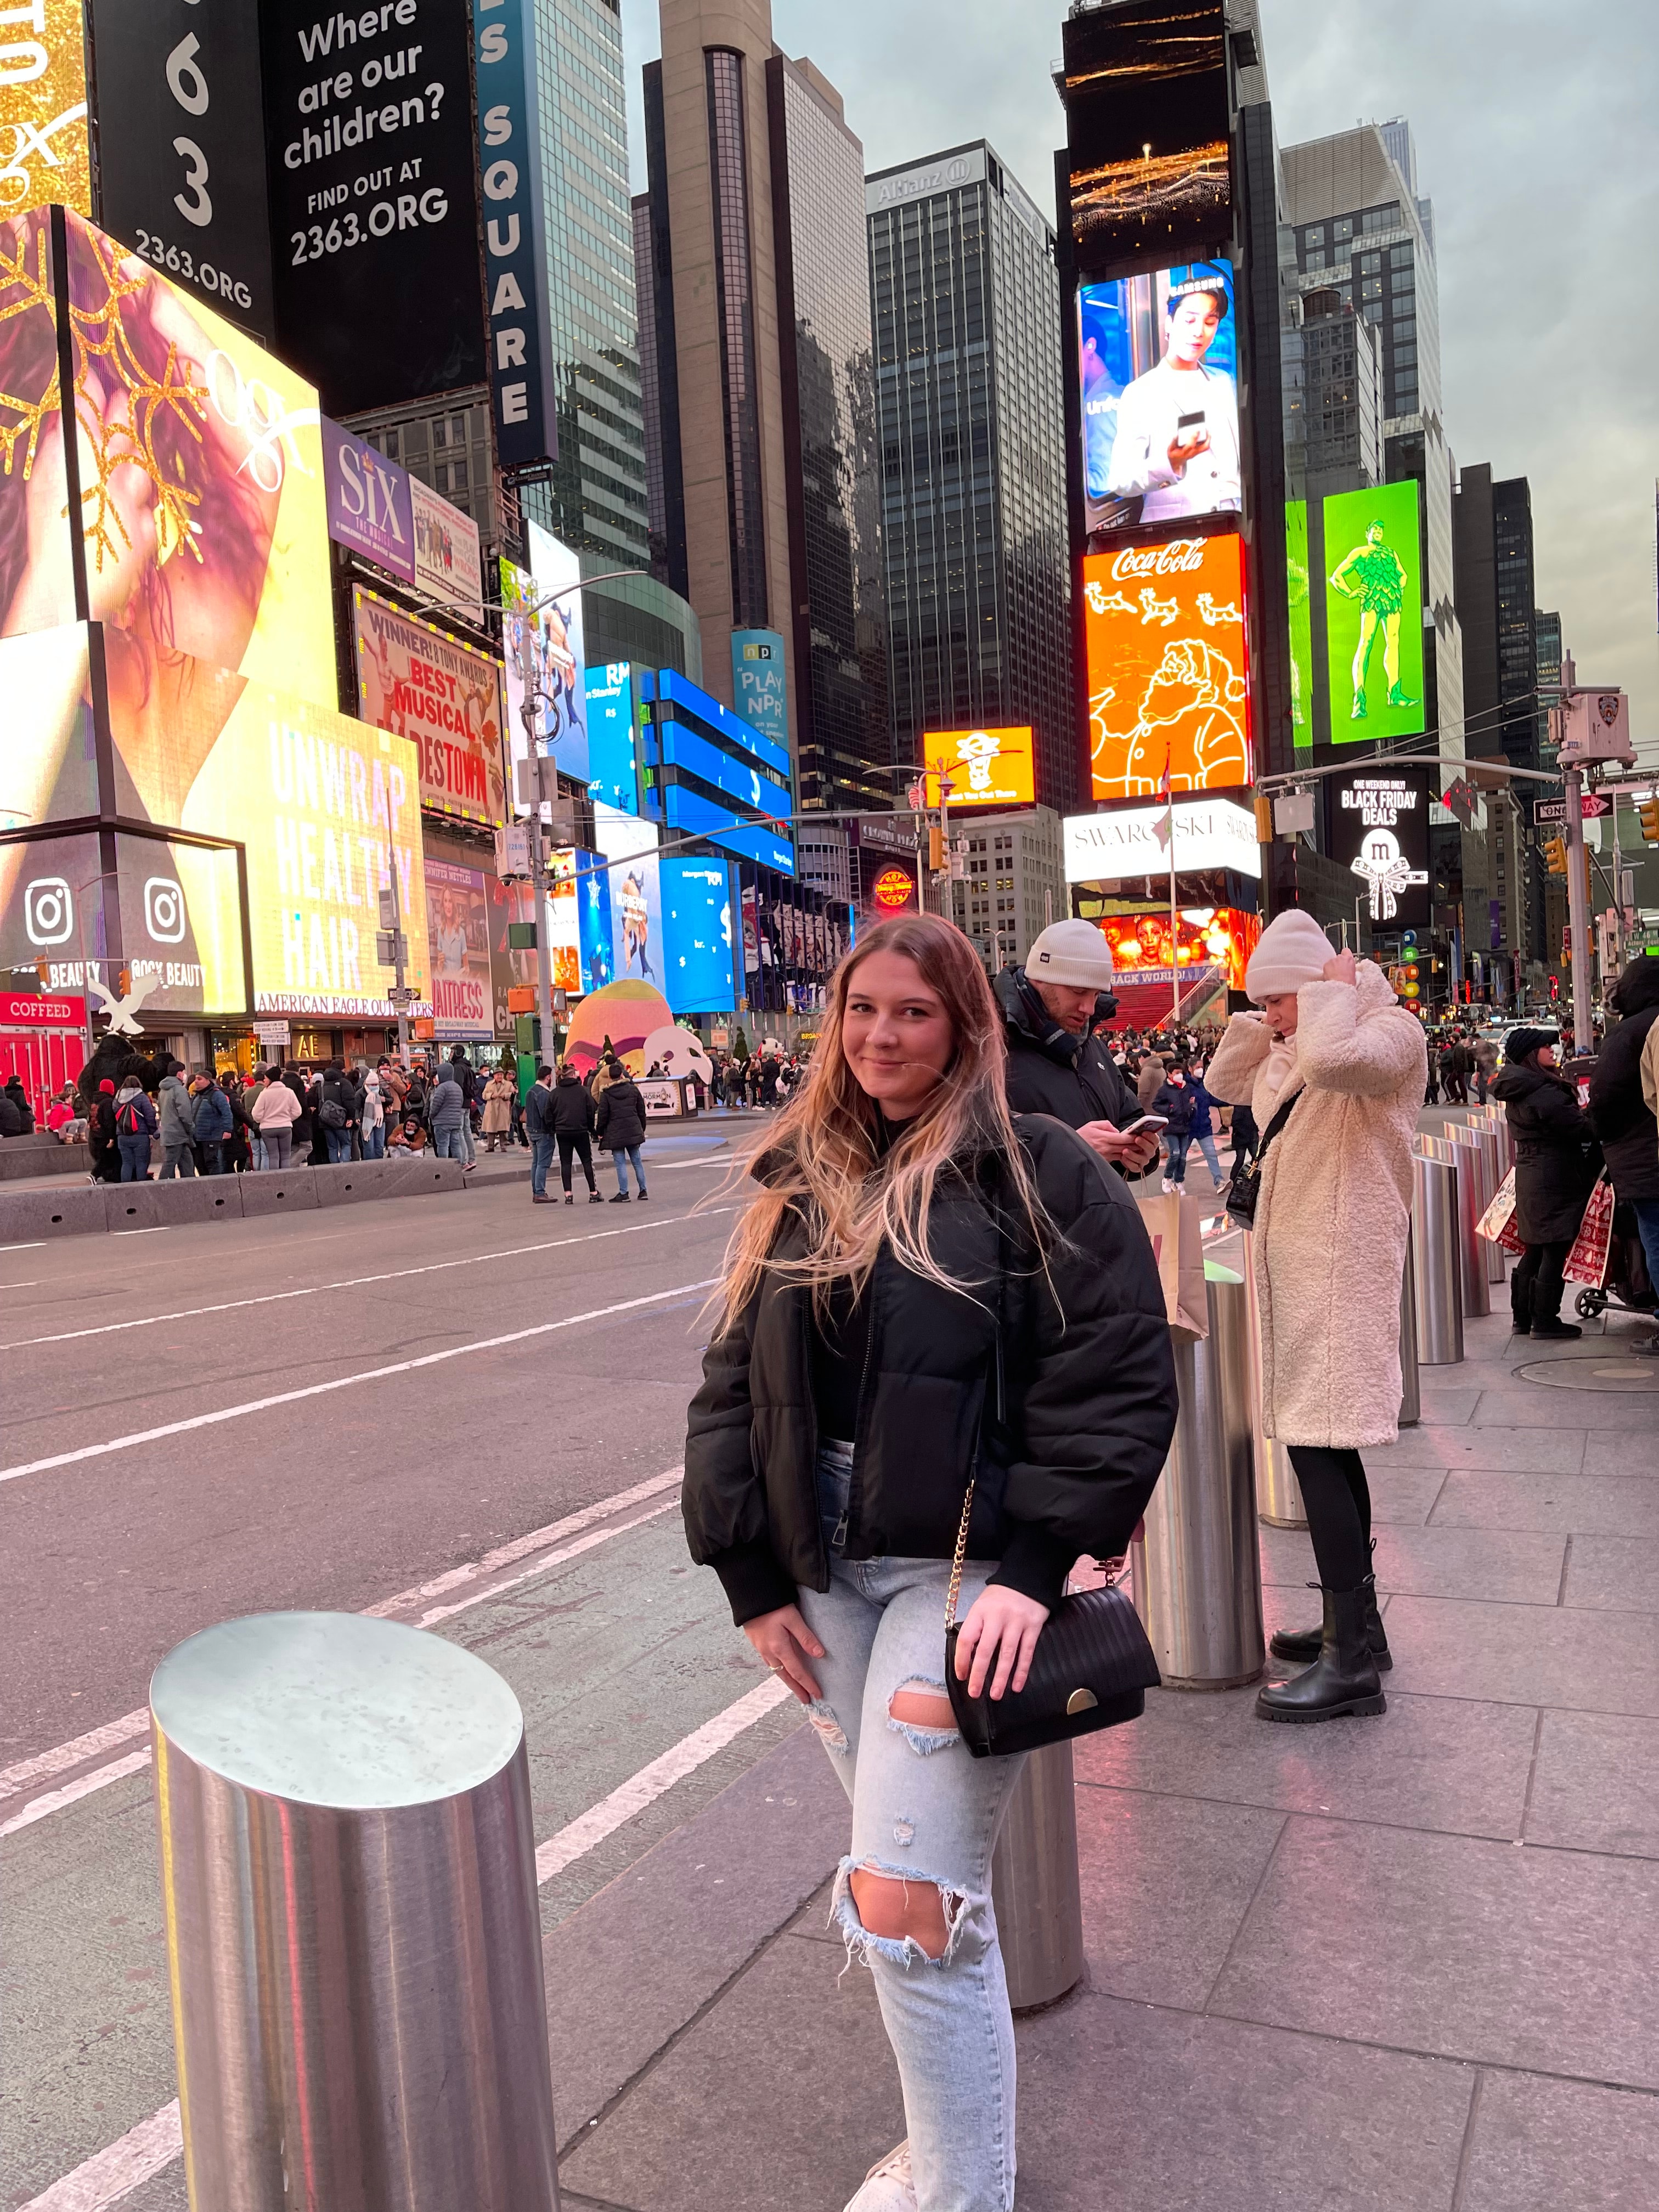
column 1572, row 779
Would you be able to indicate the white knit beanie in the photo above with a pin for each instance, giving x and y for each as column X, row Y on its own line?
column 1292, row 950
column 1072, row 953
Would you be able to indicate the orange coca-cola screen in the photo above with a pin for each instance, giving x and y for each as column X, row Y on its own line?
column 1167, row 670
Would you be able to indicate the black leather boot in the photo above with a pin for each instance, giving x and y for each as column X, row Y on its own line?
column 1520, row 1306
column 1342, row 1681
column 1307, row 1643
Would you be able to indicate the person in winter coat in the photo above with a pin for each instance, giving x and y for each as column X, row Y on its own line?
column 1484, row 1053
column 929, row 1293
column 18, row 1099
column 446, row 1115
column 621, row 1126
column 1149, row 1080
column 213, row 1125
column 1557, row 1163
column 371, row 1118
column 539, row 1126
column 302, row 1134
column 466, row 1077
column 277, row 1113
column 1055, row 1065
column 247, row 1148
column 11, row 1122
column 498, row 1110
column 1206, row 1107
column 103, row 1152
column 573, row 1117
column 136, row 1129
column 1175, row 1100
column 1334, row 1052
column 178, row 1124
column 1621, row 1114
column 1455, row 1064
column 334, row 1106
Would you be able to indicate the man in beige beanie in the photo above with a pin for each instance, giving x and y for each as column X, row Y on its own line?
column 1342, row 1067
column 1055, row 1066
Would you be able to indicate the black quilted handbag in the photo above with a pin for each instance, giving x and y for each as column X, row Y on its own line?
column 1091, row 1668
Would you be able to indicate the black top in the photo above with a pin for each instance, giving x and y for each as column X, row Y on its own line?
column 840, row 1349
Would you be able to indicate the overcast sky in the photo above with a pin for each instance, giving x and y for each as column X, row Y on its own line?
column 1537, row 132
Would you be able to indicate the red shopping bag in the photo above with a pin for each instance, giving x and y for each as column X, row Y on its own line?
column 1587, row 1262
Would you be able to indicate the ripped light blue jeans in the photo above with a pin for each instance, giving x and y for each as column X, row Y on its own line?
column 924, row 1810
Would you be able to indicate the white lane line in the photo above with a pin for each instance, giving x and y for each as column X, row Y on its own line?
column 39, row 1245
column 352, row 1282
column 15, row 1780
column 109, row 2175
column 342, row 1382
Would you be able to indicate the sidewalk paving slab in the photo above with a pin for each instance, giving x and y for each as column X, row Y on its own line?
column 1577, row 1505
column 1537, row 2145
column 1526, row 1655
column 1596, row 1787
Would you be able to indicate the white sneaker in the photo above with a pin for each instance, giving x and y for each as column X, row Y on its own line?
column 887, row 2187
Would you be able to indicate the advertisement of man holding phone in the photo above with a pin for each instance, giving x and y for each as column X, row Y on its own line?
column 1172, row 429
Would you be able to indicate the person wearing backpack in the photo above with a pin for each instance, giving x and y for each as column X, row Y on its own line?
column 334, row 1105
column 135, row 1126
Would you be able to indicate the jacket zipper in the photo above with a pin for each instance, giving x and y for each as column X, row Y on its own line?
column 841, row 1526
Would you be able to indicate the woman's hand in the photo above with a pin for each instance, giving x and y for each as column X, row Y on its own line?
column 1340, row 968
column 997, row 1640
column 786, row 1642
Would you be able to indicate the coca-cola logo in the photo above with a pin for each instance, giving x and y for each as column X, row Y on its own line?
column 1180, row 556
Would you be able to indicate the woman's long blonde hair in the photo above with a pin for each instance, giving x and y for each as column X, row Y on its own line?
column 822, row 1156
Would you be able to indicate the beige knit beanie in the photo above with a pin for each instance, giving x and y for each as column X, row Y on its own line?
column 1292, row 950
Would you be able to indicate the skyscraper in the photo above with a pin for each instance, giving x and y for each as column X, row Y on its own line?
column 764, row 508
column 970, row 412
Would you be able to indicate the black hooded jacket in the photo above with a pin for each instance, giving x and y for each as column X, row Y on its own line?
column 1055, row 1392
column 1556, row 1160
column 1050, row 1070
column 1618, row 1111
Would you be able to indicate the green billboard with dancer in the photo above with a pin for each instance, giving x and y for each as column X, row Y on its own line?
column 1374, row 613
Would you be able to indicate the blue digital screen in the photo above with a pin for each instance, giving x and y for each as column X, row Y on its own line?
column 612, row 745
column 739, row 779
column 696, row 914
column 688, row 811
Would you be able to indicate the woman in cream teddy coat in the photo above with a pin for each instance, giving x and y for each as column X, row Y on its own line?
column 1331, row 1221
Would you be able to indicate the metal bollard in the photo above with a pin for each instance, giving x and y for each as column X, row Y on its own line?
column 1411, row 1395
column 348, row 1871
column 1436, row 1271
column 1478, row 1137
column 1278, row 1492
column 1034, row 1883
column 1197, row 1565
column 1467, row 1164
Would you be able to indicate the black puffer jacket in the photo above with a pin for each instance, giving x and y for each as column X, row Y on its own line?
column 1618, row 1111
column 621, row 1116
column 1556, row 1158
column 1050, row 1070
column 573, row 1112
column 1063, row 1412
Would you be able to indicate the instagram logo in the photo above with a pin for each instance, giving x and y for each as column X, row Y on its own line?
column 48, row 910
column 164, row 910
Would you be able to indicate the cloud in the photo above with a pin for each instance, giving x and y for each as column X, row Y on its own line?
column 1536, row 141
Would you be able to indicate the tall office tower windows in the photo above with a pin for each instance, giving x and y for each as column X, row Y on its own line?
column 970, row 415
column 644, row 292
column 734, row 292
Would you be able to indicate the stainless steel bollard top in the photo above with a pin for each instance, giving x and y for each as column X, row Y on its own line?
column 353, row 1928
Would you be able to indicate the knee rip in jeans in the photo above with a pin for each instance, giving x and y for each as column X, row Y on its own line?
column 920, row 1712
column 831, row 1732
column 902, row 1900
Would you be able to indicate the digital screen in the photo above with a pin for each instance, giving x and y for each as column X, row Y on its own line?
column 1168, row 670
column 760, row 683
column 985, row 768
column 1147, row 127
column 1374, row 614
column 421, row 683
column 448, row 554
column 1301, row 613
column 181, row 925
column 53, row 910
column 564, row 924
column 49, row 756
column 542, row 649
column 1221, row 938
column 1134, row 841
column 593, row 922
column 202, row 506
column 369, row 156
column 458, row 935
column 370, row 510
column 1158, row 366
column 636, row 895
column 612, row 743
column 1379, row 831
column 696, row 909
column 43, row 106
column 180, row 138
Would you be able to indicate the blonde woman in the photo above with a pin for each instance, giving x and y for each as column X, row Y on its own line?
column 923, row 1293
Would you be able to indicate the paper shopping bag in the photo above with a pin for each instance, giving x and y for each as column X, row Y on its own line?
column 1175, row 1224
column 1497, row 1224
column 1587, row 1262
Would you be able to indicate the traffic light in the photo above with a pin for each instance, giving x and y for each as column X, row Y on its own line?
column 1555, row 855
column 1648, row 813
column 936, row 848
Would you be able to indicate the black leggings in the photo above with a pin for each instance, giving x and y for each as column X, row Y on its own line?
column 581, row 1144
column 1338, row 1502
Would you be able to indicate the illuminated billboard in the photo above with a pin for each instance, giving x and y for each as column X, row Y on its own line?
column 1147, row 127
column 46, row 682
column 985, row 768
column 760, row 686
column 418, row 681
column 197, row 477
column 43, row 105
column 53, row 909
column 458, row 935
column 612, row 739
column 1301, row 618
column 181, row 925
column 1379, row 826
column 1157, row 365
column 541, row 644
column 1219, row 936
column 1167, row 667
column 1134, row 841
column 1374, row 614
column 696, row 913
column 636, row 895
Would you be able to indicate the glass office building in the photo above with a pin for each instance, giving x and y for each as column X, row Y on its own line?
column 970, row 415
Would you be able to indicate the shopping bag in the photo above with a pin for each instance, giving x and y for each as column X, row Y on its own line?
column 1497, row 1224
column 1587, row 1262
column 1175, row 1224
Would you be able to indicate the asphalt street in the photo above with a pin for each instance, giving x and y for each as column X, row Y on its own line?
column 335, row 1411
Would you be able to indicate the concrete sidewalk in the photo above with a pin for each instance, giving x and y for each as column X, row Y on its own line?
column 1405, row 1965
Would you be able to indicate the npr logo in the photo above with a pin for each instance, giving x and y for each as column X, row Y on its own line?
column 757, row 652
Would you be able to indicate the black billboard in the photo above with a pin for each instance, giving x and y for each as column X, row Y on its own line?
column 1379, row 831
column 374, row 213
column 1148, row 129
column 176, row 92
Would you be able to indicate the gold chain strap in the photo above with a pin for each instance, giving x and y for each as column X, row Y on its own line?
column 956, row 1563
